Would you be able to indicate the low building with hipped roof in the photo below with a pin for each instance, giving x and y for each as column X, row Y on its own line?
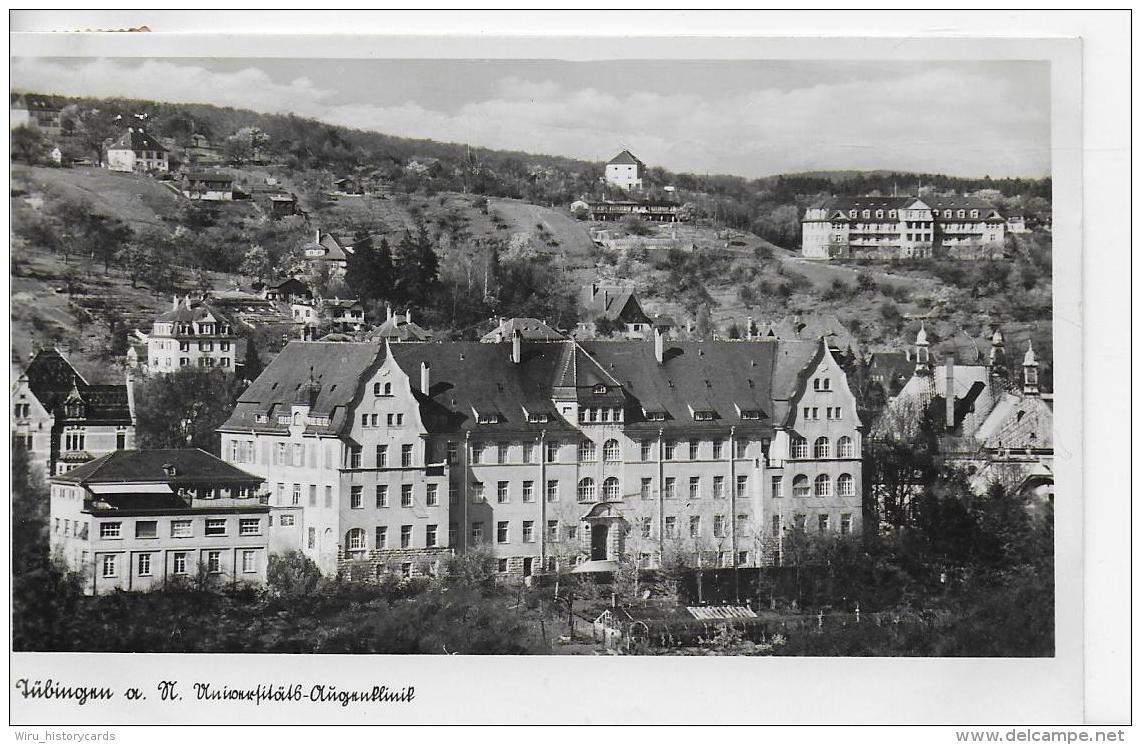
column 532, row 329
column 140, row 519
column 399, row 327
column 551, row 454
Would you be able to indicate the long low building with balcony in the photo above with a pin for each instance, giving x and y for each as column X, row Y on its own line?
column 902, row 228
column 386, row 458
column 140, row 519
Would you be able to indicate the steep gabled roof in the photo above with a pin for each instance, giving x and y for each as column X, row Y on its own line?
column 1018, row 422
column 611, row 303
column 625, row 158
column 399, row 328
column 136, row 139
column 53, row 380
column 191, row 465
column 336, row 367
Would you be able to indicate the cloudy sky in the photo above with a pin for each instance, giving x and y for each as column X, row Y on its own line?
column 749, row 118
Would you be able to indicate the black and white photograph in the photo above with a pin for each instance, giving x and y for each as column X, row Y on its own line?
column 601, row 355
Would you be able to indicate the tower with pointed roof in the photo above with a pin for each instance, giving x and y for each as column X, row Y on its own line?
column 922, row 352
column 1030, row 371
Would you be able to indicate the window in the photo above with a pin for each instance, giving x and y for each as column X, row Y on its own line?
column 671, row 487
column 778, row 487
column 742, row 487
column 296, row 495
column 719, row 526
column 214, row 562
column 216, row 526
column 611, row 490
column 553, row 451
column 381, row 496
column 799, row 448
column 405, row 456
column 73, row 440
column 553, row 490
column 671, row 526
column 249, row 561
column 406, row 495
column 453, row 453
column 381, row 537
column 528, row 452
column 501, row 453
column 528, row 491
column 405, row 536
column 845, row 448
column 328, row 496
column 718, row 487
column 718, row 448
column 821, row 448
column 823, row 486
column 528, row 531
column 477, row 452
column 180, row 529
column 356, row 497
column 144, row 565
column 845, row 524
column 146, row 529
column 694, row 449
column 381, row 456
column 776, row 525
column 354, row 457
column 846, row 485
column 120, row 440
column 501, row 566
column 694, row 487
column 502, row 492
column 433, row 497
column 312, row 495
column 586, row 490
column 501, row 532
column 823, row 523
column 311, row 539
column 646, row 449
column 180, row 563
column 453, row 533
column 670, row 447
column 110, row 530
column 586, row 451
column 249, row 526
column 430, row 536
column 742, row 448
column 646, row 489
column 800, row 487
column 406, row 570
column 798, row 521
column 286, row 521
column 611, row 451
column 110, row 568
column 572, row 532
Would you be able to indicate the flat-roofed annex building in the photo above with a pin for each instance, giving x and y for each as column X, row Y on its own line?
column 136, row 519
column 388, row 457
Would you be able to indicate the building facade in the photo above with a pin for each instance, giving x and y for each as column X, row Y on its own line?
column 902, row 227
column 192, row 335
column 208, row 186
column 31, row 110
column 625, row 171
column 62, row 420
column 137, row 151
column 137, row 519
column 549, row 454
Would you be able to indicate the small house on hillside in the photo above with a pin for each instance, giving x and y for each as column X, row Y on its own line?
column 137, row 151
column 625, row 171
column 208, row 186
column 288, row 290
column 38, row 112
column 326, row 248
column 616, row 307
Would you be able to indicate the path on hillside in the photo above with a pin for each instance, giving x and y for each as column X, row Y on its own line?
column 823, row 273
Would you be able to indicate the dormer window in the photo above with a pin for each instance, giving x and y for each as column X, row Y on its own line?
column 656, row 416
column 538, row 418
column 946, row 213
column 974, row 213
column 891, row 214
column 961, row 213
column 487, row 418
column 261, row 418
column 74, row 410
column 879, row 214
column 704, row 415
column 751, row 414
column 600, row 388
column 867, row 214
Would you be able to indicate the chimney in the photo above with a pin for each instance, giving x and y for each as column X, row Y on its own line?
column 388, row 310
column 659, row 345
column 174, row 302
column 425, row 378
column 517, row 346
column 950, row 394
column 130, row 394
column 1030, row 371
column 749, row 327
column 408, row 315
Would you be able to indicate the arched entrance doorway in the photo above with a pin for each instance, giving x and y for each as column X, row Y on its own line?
column 599, row 533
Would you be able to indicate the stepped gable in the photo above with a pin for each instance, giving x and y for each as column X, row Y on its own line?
column 336, row 367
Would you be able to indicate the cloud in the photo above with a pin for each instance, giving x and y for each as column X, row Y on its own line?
column 969, row 122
